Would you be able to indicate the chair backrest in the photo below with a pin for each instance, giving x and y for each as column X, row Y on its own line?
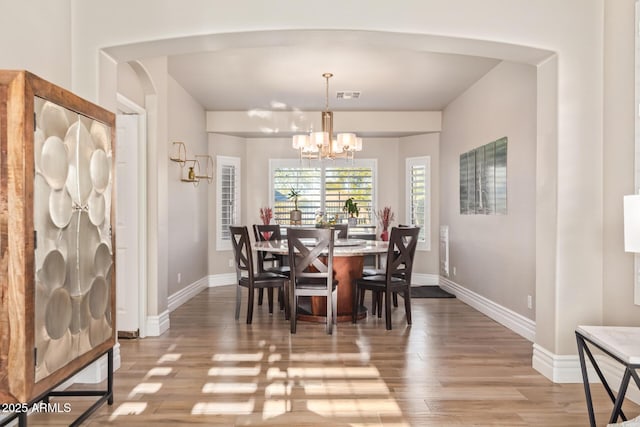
column 311, row 253
column 266, row 232
column 342, row 229
column 242, row 251
column 262, row 233
column 402, row 249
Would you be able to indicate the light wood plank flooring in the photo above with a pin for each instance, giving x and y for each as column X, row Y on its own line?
column 453, row 367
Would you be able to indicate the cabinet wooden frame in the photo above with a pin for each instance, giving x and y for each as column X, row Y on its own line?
column 18, row 90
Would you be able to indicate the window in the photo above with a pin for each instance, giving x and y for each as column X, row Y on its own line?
column 323, row 188
column 483, row 179
column 418, row 208
column 227, row 199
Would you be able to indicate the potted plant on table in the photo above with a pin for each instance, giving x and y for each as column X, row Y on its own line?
column 386, row 217
column 295, row 216
column 351, row 208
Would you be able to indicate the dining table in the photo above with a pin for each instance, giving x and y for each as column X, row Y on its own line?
column 348, row 264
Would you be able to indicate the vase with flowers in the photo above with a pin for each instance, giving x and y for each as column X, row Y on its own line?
column 386, row 217
column 266, row 214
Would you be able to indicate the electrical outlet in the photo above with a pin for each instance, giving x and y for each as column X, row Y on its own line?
column 529, row 301
column 454, row 270
column 230, row 262
column 179, row 277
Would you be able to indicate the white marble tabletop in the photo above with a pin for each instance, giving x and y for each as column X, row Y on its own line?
column 342, row 247
column 621, row 341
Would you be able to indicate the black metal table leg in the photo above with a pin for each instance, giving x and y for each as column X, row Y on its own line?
column 617, row 400
column 585, row 380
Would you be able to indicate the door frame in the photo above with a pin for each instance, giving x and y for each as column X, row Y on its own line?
column 127, row 106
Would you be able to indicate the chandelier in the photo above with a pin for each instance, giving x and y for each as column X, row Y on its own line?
column 323, row 145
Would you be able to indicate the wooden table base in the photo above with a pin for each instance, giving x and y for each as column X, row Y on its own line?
column 345, row 269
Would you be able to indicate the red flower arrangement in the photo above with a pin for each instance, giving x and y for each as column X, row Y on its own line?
column 386, row 217
column 266, row 214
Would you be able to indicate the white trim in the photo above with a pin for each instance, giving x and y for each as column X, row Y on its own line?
column 566, row 369
column 558, row 368
column 128, row 106
column 158, row 325
column 423, row 245
column 225, row 279
column 96, row 372
column 519, row 324
column 221, row 161
column 421, row 279
column 176, row 299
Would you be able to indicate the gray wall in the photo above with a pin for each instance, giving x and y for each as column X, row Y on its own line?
column 188, row 205
column 426, row 262
column 494, row 255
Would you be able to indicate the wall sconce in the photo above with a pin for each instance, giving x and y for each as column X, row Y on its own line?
column 194, row 172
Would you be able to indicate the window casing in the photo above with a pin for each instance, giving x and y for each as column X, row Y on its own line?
column 227, row 199
column 418, row 198
column 323, row 186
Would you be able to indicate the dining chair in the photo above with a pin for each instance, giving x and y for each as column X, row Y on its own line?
column 268, row 261
column 248, row 278
column 376, row 299
column 396, row 277
column 311, row 262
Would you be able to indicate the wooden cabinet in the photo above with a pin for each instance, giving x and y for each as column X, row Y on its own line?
column 57, row 284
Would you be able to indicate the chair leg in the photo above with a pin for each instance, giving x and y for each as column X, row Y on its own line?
column 250, row 306
column 285, row 297
column 294, row 310
column 395, row 299
column 374, row 302
column 356, row 300
column 334, row 305
column 387, row 309
column 281, row 301
column 407, row 304
column 329, row 313
column 238, row 297
column 270, row 296
column 379, row 296
column 361, row 297
column 260, row 296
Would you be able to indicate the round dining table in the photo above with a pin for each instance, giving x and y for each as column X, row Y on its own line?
column 348, row 263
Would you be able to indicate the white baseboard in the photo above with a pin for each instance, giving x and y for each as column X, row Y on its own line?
column 158, row 325
column 185, row 294
column 420, row 279
column 222, row 279
column 566, row 369
column 519, row 324
column 558, row 368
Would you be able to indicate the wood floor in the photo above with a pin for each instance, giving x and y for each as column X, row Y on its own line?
column 453, row 367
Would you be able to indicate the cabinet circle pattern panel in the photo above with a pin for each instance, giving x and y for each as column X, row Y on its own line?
column 73, row 255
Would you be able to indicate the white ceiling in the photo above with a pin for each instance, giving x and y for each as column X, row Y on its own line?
column 289, row 77
column 282, row 69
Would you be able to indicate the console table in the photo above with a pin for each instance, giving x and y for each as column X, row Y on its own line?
column 620, row 343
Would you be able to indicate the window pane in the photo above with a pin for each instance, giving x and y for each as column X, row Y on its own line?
column 227, row 208
column 323, row 188
column 228, row 198
column 306, row 181
column 344, row 182
column 417, row 201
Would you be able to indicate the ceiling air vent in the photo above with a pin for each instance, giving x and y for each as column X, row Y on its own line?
column 348, row 94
